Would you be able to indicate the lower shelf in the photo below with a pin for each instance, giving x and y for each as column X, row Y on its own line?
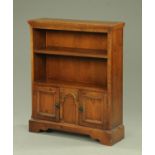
column 106, row 137
column 79, row 85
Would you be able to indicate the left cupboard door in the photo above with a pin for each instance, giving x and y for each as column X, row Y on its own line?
column 46, row 103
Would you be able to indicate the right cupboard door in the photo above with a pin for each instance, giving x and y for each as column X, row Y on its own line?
column 92, row 109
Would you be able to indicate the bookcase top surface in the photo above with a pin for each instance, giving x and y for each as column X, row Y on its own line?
column 75, row 25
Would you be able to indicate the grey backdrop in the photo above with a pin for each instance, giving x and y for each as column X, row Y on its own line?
column 129, row 11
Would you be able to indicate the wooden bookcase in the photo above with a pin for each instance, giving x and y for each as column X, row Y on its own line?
column 77, row 77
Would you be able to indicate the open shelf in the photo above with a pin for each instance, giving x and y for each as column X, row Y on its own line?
column 60, row 83
column 78, row 71
column 76, row 59
column 70, row 43
column 78, row 52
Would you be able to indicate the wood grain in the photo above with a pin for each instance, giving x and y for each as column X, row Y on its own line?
column 81, row 70
column 84, row 40
column 94, row 109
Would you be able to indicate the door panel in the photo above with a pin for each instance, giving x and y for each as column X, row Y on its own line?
column 47, row 99
column 92, row 109
column 69, row 105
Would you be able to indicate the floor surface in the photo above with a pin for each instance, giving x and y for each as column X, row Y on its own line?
column 60, row 143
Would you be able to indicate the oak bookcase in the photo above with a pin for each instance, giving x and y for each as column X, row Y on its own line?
column 77, row 77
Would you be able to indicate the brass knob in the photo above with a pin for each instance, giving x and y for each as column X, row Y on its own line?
column 81, row 109
column 57, row 105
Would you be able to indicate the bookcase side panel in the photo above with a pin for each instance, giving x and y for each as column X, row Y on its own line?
column 117, row 77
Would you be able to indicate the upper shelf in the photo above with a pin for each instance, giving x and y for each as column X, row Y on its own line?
column 78, row 52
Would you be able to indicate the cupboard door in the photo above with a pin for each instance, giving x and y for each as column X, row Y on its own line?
column 92, row 109
column 47, row 103
column 68, row 108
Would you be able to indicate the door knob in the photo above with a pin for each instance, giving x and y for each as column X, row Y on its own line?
column 57, row 105
column 81, row 109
